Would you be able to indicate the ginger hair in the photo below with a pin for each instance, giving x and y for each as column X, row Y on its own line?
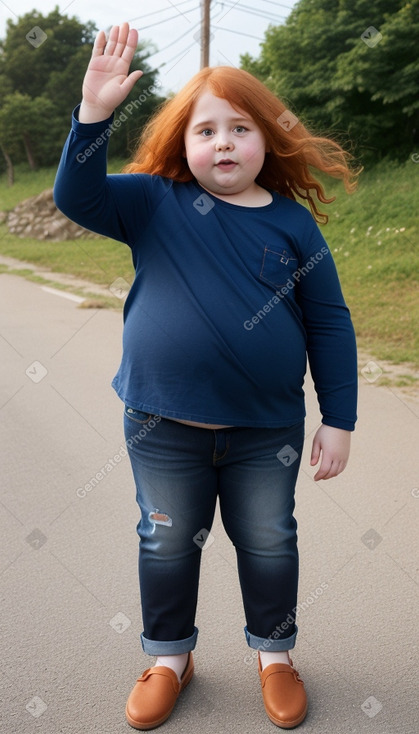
column 292, row 153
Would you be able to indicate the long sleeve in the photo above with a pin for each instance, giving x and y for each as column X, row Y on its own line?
column 117, row 206
column 331, row 345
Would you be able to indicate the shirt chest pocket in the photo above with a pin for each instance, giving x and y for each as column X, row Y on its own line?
column 277, row 267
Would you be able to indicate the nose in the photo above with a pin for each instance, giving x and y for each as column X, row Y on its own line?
column 223, row 142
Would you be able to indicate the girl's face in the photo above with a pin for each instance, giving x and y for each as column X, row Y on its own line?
column 225, row 149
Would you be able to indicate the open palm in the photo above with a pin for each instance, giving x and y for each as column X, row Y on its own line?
column 107, row 81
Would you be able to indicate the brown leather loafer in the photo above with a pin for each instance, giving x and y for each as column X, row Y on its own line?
column 154, row 695
column 283, row 694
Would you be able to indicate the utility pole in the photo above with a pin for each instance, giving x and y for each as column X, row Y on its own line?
column 205, row 32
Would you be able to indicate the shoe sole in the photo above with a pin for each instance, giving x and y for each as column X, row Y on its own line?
column 155, row 724
column 288, row 724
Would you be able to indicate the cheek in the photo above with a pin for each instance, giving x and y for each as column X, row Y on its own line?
column 198, row 157
column 255, row 150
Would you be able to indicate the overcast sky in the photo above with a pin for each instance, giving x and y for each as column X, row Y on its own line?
column 173, row 28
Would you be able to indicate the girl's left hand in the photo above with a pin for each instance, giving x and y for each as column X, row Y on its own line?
column 334, row 445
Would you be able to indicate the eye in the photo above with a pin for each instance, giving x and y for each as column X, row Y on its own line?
column 207, row 132
column 240, row 129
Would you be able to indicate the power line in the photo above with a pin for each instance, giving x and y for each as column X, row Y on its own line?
column 239, row 33
column 176, row 40
column 183, row 52
column 179, row 38
column 278, row 5
column 252, row 11
column 164, row 20
column 157, row 12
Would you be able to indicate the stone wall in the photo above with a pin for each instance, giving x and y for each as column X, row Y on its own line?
column 38, row 217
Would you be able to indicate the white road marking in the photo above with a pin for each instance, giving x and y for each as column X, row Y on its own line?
column 63, row 294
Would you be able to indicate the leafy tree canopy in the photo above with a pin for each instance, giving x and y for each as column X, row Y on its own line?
column 350, row 68
column 41, row 74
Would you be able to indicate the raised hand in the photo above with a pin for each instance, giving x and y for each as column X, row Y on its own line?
column 107, row 81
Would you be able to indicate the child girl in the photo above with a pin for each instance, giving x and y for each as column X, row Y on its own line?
column 234, row 286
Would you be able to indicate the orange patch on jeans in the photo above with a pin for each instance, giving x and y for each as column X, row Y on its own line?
column 160, row 518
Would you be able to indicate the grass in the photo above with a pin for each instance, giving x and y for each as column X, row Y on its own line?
column 372, row 234
column 98, row 260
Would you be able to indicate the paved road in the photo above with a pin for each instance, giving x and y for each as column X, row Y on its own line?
column 70, row 608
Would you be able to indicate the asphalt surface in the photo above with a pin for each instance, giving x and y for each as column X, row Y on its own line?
column 71, row 618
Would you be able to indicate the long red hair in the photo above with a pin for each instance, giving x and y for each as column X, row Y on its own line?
column 292, row 152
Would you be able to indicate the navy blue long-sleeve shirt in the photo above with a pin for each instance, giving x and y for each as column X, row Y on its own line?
column 227, row 301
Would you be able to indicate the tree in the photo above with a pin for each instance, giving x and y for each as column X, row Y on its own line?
column 386, row 76
column 41, row 74
column 22, row 129
column 28, row 66
column 40, row 80
column 337, row 82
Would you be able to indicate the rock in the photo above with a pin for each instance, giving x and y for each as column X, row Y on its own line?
column 39, row 218
column 56, row 228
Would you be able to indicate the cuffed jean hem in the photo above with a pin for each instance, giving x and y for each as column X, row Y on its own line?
column 270, row 644
column 169, row 647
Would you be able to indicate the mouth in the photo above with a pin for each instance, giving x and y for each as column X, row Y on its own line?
column 226, row 164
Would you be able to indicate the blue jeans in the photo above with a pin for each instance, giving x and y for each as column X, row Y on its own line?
column 179, row 471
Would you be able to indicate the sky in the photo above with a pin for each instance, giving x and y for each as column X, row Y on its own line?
column 173, row 27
